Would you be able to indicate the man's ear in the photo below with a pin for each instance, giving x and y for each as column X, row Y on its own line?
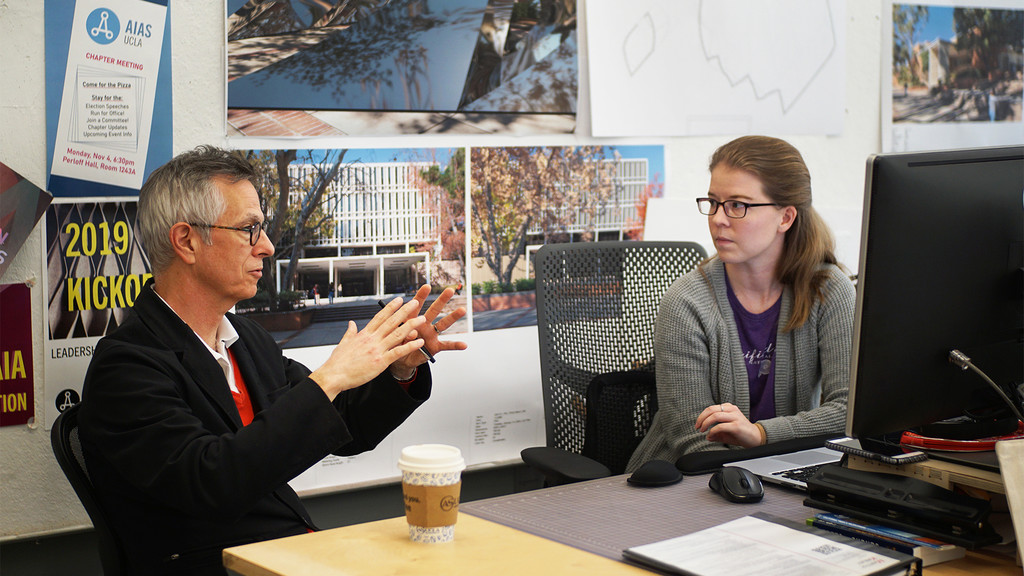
column 184, row 241
column 788, row 218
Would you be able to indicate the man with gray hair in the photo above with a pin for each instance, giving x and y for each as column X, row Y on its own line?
column 192, row 420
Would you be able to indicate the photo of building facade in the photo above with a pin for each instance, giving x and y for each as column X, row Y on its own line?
column 380, row 216
column 385, row 233
column 957, row 64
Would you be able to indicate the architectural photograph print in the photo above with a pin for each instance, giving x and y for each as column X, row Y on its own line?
column 351, row 227
column 956, row 76
column 354, row 226
column 382, row 68
column 524, row 197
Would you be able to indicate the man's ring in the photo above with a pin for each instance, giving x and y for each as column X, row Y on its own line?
column 434, row 326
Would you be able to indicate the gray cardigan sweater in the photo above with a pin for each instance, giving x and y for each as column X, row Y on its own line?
column 699, row 363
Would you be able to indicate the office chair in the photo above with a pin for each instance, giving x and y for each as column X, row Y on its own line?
column 68, row 450
column 596, row 306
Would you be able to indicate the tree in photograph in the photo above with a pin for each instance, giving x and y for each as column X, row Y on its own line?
column 906, row 18
column 986, row 35
column 444, row 194
column 356, row 60
column 295, row 206
column 555, row 189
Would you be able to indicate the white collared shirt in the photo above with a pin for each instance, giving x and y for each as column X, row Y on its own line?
column 226, row 336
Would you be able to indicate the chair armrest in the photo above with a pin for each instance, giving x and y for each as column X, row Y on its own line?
column 561, row 466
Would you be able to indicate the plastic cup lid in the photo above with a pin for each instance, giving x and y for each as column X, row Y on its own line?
column 431, row 458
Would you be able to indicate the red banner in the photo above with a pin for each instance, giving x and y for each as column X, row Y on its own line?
column 17, row 404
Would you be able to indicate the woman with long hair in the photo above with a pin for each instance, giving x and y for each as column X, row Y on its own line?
column 754, row 345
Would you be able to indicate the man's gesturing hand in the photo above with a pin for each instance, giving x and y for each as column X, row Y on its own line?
column 363, row 354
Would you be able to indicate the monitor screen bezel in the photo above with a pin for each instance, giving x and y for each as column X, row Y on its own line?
column 904, row 414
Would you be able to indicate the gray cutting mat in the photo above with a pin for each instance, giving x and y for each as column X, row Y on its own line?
column 608, row 515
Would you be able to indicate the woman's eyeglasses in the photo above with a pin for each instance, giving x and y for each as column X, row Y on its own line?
column 733, row 208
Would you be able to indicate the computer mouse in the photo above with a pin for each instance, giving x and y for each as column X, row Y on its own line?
column 737, row 484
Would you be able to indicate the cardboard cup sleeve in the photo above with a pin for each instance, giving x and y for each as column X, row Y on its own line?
column 431, row 506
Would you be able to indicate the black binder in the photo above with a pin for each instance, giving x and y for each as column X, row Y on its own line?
column 902, row 502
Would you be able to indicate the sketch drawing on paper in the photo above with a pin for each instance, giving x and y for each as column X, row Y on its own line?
column 747, row 50
column 697, row 67
column 639, row 43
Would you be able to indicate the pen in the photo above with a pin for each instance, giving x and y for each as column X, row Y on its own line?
column 422, row 348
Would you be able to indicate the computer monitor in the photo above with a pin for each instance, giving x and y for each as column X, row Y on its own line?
column 941, row 259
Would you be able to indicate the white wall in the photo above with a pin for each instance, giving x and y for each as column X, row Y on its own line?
column 34, row 496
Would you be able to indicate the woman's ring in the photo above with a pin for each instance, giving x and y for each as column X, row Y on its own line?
column 721, row 407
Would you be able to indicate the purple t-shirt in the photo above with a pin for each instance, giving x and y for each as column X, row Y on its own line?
column 757, row 340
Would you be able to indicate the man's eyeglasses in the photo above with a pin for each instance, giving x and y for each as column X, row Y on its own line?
column 253, row 229
column 733, row 208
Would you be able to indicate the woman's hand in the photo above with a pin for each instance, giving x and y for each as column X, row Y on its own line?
column 725, row 424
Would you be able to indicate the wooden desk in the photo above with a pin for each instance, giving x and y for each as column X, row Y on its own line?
column 541, row 532
column 481, row 547
column 976, row 564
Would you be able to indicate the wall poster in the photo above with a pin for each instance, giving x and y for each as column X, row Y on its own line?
column 95, row 268
column 109, row 98
column 17, row 392
column 22, row 203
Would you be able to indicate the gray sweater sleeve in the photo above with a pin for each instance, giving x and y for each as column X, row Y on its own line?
column 699, row 363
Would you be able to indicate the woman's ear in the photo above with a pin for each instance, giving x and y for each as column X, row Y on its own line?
column 788, row 218
column 183, row 241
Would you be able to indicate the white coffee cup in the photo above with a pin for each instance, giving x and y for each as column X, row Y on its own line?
column 431, row 483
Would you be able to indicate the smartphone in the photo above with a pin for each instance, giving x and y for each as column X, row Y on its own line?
column 886, row 452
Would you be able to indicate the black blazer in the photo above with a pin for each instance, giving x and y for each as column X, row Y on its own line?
column 165, row 447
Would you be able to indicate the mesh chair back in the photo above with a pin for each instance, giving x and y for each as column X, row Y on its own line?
column 67, row 448
column 620, row 406
column 596, row 305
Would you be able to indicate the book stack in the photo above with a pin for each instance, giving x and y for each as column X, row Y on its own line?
column 929, row 550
